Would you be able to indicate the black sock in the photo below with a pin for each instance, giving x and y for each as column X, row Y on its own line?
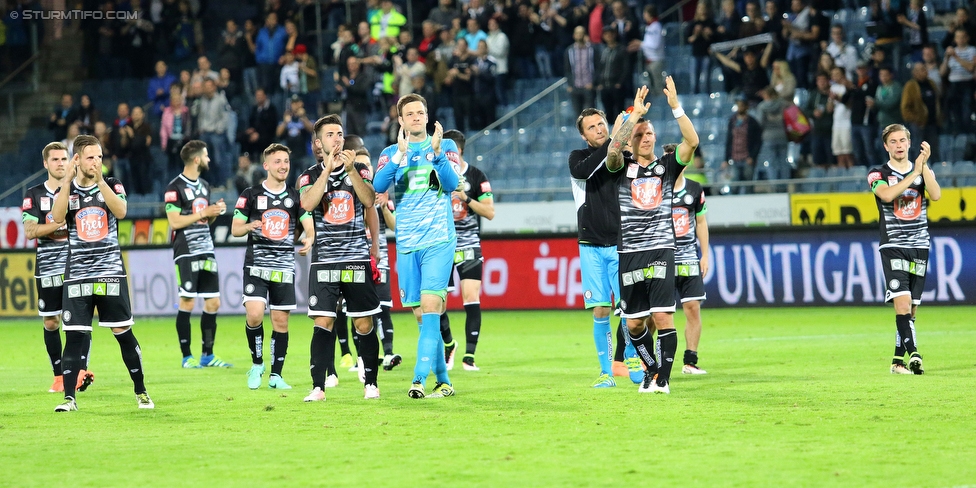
column 904, row 326
column 355, row 342
column 322, row 352
column 86, row 351
column 384, row 324
column 472, row 326
column 341, row 329
column 52, row 341
column 279, row 349
column 446, row 329
column 691, row 357
column 618, row 352
column 644, row 345
column 368, row 347
column 667, row 342
column 255, row 341
column 132, row 357
column 74, row 343
column 208, row 328
column 183, row 331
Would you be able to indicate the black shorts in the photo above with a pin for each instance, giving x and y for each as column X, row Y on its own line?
column 110, row 296
column 646, row 282
column 904, row 272
column 688, row 282
column 383, row 288
column 352, row 281
column 469, row 263
column 49, row 290
column 196, row 276
column 269, row 286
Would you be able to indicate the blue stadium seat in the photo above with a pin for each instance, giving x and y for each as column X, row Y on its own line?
column 811, row 187
column 942, row 170
column 965, row 173
column 832, row 172
column 858, row 181
column 959, row 145
column 947, row 148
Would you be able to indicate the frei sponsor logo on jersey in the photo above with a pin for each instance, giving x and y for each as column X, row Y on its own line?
column 682, row 221
column 341, row 209
column 92, row 224
column 199, row 205
column 646, row 193
column 274, row 224
column 908, row 206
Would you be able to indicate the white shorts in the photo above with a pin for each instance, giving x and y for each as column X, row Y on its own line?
column 840, row 142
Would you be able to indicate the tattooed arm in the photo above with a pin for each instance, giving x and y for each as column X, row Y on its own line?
column 622, row 131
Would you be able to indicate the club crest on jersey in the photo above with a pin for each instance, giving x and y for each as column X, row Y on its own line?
column 682, row 221
column 917, row 180
column 646, row 193
column 92, row 224
column 341, row 208
column 170, row 196
column 908, row 206
column 28, row 204
column 262, row 202
column 74, row 202
column 384, row 159
column 275, row 224
column 99, row 197
column 45, row 204
column 347, row 181
column 894, row 284
column 289, row 203
column 658, row 169
column 430, row 156
column 199, row 205
column 189, row 193
column 689, row 199
column 203, row 190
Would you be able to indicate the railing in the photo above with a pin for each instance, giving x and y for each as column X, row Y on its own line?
column 23, row 185
column 679, row 8
column 34, row 83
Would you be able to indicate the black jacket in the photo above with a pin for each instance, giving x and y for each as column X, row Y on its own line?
column 597, row 210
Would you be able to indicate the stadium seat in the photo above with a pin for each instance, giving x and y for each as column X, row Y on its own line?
column 959, row 144
column 965, row 173
column 944, row 172
column 832, row 172
column 947, row 148
column 858, row 181
column 810, row 186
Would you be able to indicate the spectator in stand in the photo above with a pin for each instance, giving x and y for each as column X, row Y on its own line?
column 405, row 40
column 783, row 81
column 139, row 138
column 614, row 69
column 426, row 90
column 473, row 34
column 62, row 116
column 288, row 79
column 175, row 128
column 523, row 38
column 729, row 21
column 459, row 76
column 406, row 68
column 498, row 46
column 295, row 131
column 802, row 32
column 483, row 83
column 773, row 17
column 87, row 115
column 701, row 34
column 582, row 70
column 931, row 61
column 476, row 10
column 291, row 36
column 958, row 65
column 653, row 49
column 772, row 160
column 119, row 139
column 961, row 21
column 229, row 87
column 104, row 135
column 752, row 22
column 444, row 15
column 843, row 54
column 109, row 62
column 543, row 38
column 69, row 140
column 600, row 16
column 916, row 28
column 864, row 118
column 249, row 64
column 136, row 39
column 263, row 123
column 743, row 140
column 212, row 113
column 308, row 79
column 158, row 91
column 826, row 65
column 385, row 22
column 887, row 98
column 921, row 110
column 752, row 73
column 822, row 120
column 344, row 48
column 184, row 36
column 203, row 72
column 431, row 39
column 248, row 173
column 878, row 61
column 355, row 89
column 233, row 48
column 561, row 20
column 841, row 141
column 367, row 45
column 269, row 45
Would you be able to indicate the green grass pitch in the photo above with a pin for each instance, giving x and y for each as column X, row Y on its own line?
column 794, row 397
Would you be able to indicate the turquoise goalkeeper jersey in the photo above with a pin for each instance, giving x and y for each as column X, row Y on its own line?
column 422, row 185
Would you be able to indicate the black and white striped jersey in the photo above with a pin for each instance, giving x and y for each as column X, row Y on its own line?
column 189, row 197
column 340, row 230
column 52, row 249
column 467, row 224
column 93, row 234
column 273, row 245
column 904, row 220
column 384, row 260
column 644, row 197
column 688, row 203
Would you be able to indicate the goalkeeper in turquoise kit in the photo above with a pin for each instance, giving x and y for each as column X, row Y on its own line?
column 422, row 171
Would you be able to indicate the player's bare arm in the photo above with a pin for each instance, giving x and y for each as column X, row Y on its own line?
column 177, row 221
column 615, row 159
column 388, row 217
column 312, row 195
column 60, row 208
column 115, row 203
column 308, row 239
column 372, row 219
column 484, row 208
column 33, row 230
column 241, row 228
column 436, row 139
column 932, row 187
column 364, row 190
column 888, row 193
column 701, row 231
column 689, row 136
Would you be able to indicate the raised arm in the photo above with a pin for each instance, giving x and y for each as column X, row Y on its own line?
column 363, row 188
column 114, row 201
column 689, row 136
column 60, row 208
column 622, row 131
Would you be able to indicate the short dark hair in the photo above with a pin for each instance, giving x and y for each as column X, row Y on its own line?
column 413, row 97
column 83, row 141
column 52, row 146
column 191, row 150
column 331, row 119
column 669, row 148
column 352, row 142
column 651, row 10
column 458, row 138
column 586, row 113
column 362, row 152
column 275, row 147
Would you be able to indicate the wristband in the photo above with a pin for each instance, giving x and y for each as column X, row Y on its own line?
column 468, row 199
column 397, row 156
column 677, row 112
